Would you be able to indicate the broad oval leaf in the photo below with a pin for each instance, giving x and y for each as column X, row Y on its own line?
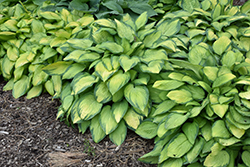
column 221, row 44
column 102, row 93
column 141, row 20
column 147, row 130
column 172, row 162
column 164, row 107
column 175, row 120
column 34, row 91
column 169, row 27
column 222, row 158
column 96, row 130
column 119, row 109
column 245, row 157
column 117, row 81
column 20, row 87
column 88, row 106
column 124, row 31
column 132, row 119
column 107, row 120
column 119, row 134
column 127, row 63
column 80, row 43
column 180, row 96
column 103, row 72
column 223, row 79
column 112, row 47
column 191, row 131
column 167, row 84
column 177, row 147
column 57, row 68
column 195, row 151
column 219, row 129
column 137, row 96
column 81, row 82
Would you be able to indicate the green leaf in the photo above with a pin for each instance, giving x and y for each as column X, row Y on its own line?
column 103, row 72
column 169, row 27
column 175, row 120
column 245, row 95
column 198, row 55
column 113, row 5
column 159, row 54
column 37, row 27
column 117, row 81
column 127, row 62
column 34, row 91
column 221, row 159
column 119, row 134
column 124, row 31
column 220, row 109
column 75, row 117
column 132, row 119
column 81, row 82
column 88, row 106
column 221, row 45
column 176, row 148
column 141, row 20
column 9, row 85
column 96, row 130
column 137, row 96
column 245, row 157
column 167, row 84
column 73, row 70
column 107, row 120
column 164, row 107
column 75, row 55
column 172, row 162
column 50, row 15
column 147, row 130
column 112, row 47
column 80, row 43
column 106, row 23
column 83, row 126
column 190, row 5
column 49, row 87
column 57, row 68
column 151, row 39
column 216, row 12
column 195, row 151
column 119, row 109
column 195, row 32
column 223, row 79
column 13, row 53
column 140, row 7
column 88, row 56
column 245, row 8
column 195, row 68
column 180, row 96
column 152, row 67
column 102, row 93
column 20, row 87
column 57, row 84
column 219, row 129
column 237, row 132
column 5, row 36
column 191, row 131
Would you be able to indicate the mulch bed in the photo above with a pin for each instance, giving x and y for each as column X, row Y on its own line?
column 31, row 136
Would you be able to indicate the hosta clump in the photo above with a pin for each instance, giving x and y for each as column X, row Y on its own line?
column 203, row 121
column 184, row 78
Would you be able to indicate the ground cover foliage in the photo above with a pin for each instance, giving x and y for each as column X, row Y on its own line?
column 180, row 75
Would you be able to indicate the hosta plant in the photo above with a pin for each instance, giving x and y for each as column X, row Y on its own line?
column 183, row 79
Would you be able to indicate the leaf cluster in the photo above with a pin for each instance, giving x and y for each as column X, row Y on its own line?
column 182, row 80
